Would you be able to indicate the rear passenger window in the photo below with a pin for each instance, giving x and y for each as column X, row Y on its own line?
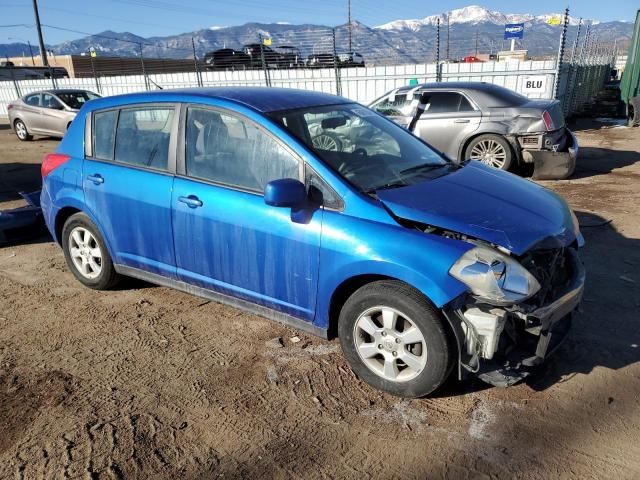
column 227, row 149
column 142, row 137
column 447, row 102
column 33, row 100
column 104, row 128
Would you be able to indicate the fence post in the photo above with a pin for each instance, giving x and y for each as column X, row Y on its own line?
column 267, row 79
column 438, row 77
column 195, row 63
column 573, row 72
column 144, row 72
column 563, row 38
column 94, row 73
column 15, row 83
column 336, row 70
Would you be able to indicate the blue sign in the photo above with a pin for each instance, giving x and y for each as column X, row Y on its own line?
column 513, row 30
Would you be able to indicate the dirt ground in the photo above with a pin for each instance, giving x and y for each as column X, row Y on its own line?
column 146, row 382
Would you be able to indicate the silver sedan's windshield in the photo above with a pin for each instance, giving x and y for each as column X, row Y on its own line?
column 368, row 150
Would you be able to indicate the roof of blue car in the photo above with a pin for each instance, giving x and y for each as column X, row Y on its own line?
column 263, row 99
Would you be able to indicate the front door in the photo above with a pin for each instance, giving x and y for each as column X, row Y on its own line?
column 127, row 184
column 448, row 120
column 226, row 238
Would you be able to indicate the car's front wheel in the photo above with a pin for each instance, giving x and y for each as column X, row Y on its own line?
column 394, row 339
column 21, row 131
column 86, row 254
column 492, row 150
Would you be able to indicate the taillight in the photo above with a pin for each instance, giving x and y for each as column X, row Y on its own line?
column 10, row 106
column 548, row 121
column 52, row 161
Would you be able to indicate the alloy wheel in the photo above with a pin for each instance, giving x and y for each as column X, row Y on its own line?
column 390, row 344
column 21, row 130
column 85, row 252
column 489, row 152
column 325, row 142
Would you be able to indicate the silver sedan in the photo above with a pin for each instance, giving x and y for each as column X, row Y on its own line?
column 49, row 112
column 486, row 122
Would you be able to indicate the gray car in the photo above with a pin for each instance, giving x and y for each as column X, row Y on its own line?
column 49, row 112
column 486, row 122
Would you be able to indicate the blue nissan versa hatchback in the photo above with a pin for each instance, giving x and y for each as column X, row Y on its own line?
column 419, row 265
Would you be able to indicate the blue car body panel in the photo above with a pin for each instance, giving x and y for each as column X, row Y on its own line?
column 486, row 203
column 237, row 245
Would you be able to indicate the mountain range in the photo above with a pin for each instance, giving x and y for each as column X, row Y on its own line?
column 400, row 41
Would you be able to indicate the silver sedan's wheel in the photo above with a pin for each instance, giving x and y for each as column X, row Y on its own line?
column 490, row 152
column 326, row 142
column 390, row 344
column 21, row 130
column 85, row 253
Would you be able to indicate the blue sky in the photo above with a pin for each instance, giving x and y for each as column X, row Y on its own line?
column 164, row 17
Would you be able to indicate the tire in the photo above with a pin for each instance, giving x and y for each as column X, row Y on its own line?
column 21, row 131
column 86, row 253
column 372, row 356
column 492, row 150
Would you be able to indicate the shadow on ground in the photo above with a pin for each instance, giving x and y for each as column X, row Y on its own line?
column 594, row 161
column 18, row 177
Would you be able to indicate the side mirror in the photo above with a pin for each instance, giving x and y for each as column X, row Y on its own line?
column 286, row 192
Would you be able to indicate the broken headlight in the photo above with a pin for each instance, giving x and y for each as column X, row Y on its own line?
column 494, row 277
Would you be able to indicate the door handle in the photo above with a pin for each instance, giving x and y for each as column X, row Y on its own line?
column 97, row 179
column 191, row 201
column 462, row 120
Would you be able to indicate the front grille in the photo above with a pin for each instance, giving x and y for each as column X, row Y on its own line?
column 554, row 270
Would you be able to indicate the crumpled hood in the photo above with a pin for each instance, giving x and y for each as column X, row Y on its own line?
column 487, row 204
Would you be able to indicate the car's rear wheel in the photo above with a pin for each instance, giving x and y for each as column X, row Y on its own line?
column 394, row 339
column 86, row 253
column 492, row 150
column 21, row 131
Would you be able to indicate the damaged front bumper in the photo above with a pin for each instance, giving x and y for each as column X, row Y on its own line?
column 556, row 163
column 500, row 345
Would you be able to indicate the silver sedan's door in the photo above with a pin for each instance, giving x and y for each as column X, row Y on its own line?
column 449, row 119
column 54, row 116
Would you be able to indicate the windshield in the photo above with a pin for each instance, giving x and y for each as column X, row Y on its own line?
column 368, row 150
column 76, row 99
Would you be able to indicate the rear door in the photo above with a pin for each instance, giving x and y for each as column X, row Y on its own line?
column 449, row 119
column 127, row 180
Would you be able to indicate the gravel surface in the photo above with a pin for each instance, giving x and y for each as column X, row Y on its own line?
column 147, row 382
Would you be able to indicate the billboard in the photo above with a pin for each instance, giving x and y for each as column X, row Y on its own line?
column 513, row 30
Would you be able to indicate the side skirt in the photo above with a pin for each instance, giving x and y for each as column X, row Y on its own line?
column 260, row 310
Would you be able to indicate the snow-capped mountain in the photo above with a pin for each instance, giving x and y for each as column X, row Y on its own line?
column 395, row 43
column 472, row 14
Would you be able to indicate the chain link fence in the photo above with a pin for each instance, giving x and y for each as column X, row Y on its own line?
column 340, row 60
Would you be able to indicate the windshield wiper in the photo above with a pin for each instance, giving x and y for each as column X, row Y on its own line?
column 424, row 166
column 386, row 186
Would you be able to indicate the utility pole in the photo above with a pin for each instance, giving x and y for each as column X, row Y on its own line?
column 476, row 42
column 448, row 33
column 350, row 28
column 438, row 51
column 43, row 51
